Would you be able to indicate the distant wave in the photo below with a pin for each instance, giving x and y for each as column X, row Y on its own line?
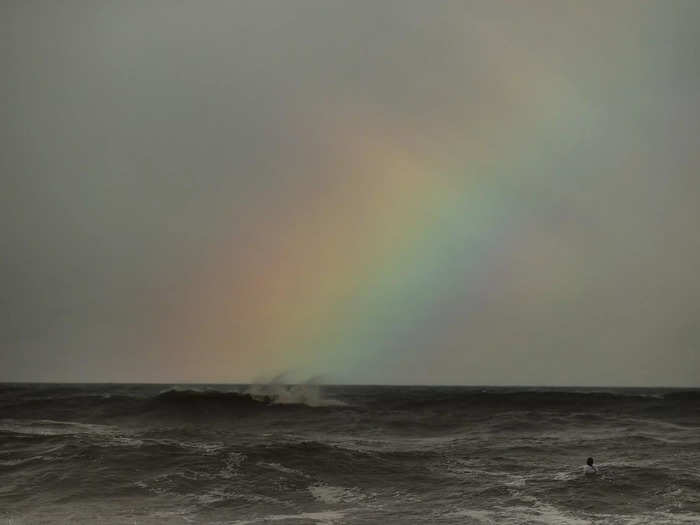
column 57, row 397
column 255, row 395
column 210, row 396
column 531, row 398
column 683, row 395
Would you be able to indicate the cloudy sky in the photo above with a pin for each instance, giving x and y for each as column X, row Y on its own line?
column 474, row 192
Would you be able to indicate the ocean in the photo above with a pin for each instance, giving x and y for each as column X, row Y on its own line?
column 309, row 454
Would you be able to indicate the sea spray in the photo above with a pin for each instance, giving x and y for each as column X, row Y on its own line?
column 278, row 391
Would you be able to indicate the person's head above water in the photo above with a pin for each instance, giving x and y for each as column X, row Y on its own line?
column 589, row 461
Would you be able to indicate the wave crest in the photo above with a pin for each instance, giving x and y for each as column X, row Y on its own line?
column 301, row 394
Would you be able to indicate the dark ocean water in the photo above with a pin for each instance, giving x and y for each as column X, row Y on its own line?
column 357, row 455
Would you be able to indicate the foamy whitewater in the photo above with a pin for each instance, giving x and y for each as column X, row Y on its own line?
column 221, row 454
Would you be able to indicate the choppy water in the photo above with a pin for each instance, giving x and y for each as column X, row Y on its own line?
column 356, row 455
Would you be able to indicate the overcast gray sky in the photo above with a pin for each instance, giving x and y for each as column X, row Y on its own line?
column 485, row 192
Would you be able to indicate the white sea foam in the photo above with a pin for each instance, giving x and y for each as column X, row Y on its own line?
column 649, row 518
column 125, row 441
column 334, row 495
column 480, row 516
column 539, row 514
column 319, row 518
column 280, row 468
column 213, row 496
column 394, row 443
column 206, row 448
column 47, row 427
column 102, row 435
column 567, row 475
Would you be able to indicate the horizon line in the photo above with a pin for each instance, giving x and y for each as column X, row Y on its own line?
column 434, row 385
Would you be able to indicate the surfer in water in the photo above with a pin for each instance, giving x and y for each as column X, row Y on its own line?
column 589, row 468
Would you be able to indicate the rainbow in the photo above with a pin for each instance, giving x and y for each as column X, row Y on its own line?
column 340, row 275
